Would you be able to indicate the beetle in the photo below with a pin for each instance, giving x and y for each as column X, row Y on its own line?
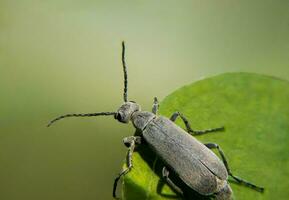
column 193, row 162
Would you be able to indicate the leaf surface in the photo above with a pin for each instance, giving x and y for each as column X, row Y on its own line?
column 255, row 112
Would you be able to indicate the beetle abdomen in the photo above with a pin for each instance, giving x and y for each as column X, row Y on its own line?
column 225, row 193
column 192, row 161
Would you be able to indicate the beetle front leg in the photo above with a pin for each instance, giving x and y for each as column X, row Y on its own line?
column 236, row 178
column 165, row 174
column 188, row 126
column 130, row 142
column 155, row 106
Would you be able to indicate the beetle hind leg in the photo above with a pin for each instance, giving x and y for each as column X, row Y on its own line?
column 165, row 174
column 236, row 178
column 188, row 126
column 246, row 183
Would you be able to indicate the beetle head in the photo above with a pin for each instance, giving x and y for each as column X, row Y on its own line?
column 125, row 111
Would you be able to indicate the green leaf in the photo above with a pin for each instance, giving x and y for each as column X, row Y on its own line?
column 255, row 112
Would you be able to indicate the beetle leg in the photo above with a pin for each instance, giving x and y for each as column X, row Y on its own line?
column 130, row 142
column 236, row 178
column 155, row 106
column 188, row 126
column 165, row 174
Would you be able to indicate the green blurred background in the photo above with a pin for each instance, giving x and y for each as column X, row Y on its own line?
column 63, row 56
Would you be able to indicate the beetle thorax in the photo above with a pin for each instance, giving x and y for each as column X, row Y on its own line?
column 141, row 119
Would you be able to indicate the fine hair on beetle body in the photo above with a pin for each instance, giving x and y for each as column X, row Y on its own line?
column 193, row 162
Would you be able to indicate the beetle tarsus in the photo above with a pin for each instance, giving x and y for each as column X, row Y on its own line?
column 246, row 183
column 200, row 132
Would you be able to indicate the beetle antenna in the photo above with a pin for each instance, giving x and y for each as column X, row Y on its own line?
column 124, row 72
column 80, row 115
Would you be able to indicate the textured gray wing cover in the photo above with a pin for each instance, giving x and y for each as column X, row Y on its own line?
column 192, row 161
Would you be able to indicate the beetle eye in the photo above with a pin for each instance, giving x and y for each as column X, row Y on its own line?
column 118, row 116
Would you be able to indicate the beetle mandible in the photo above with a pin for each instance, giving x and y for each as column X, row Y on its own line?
column 193, row 162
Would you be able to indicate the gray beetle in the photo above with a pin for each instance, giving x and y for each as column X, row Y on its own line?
column 193, row 162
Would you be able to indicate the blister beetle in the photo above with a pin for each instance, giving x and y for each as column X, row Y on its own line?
column 193, row 162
